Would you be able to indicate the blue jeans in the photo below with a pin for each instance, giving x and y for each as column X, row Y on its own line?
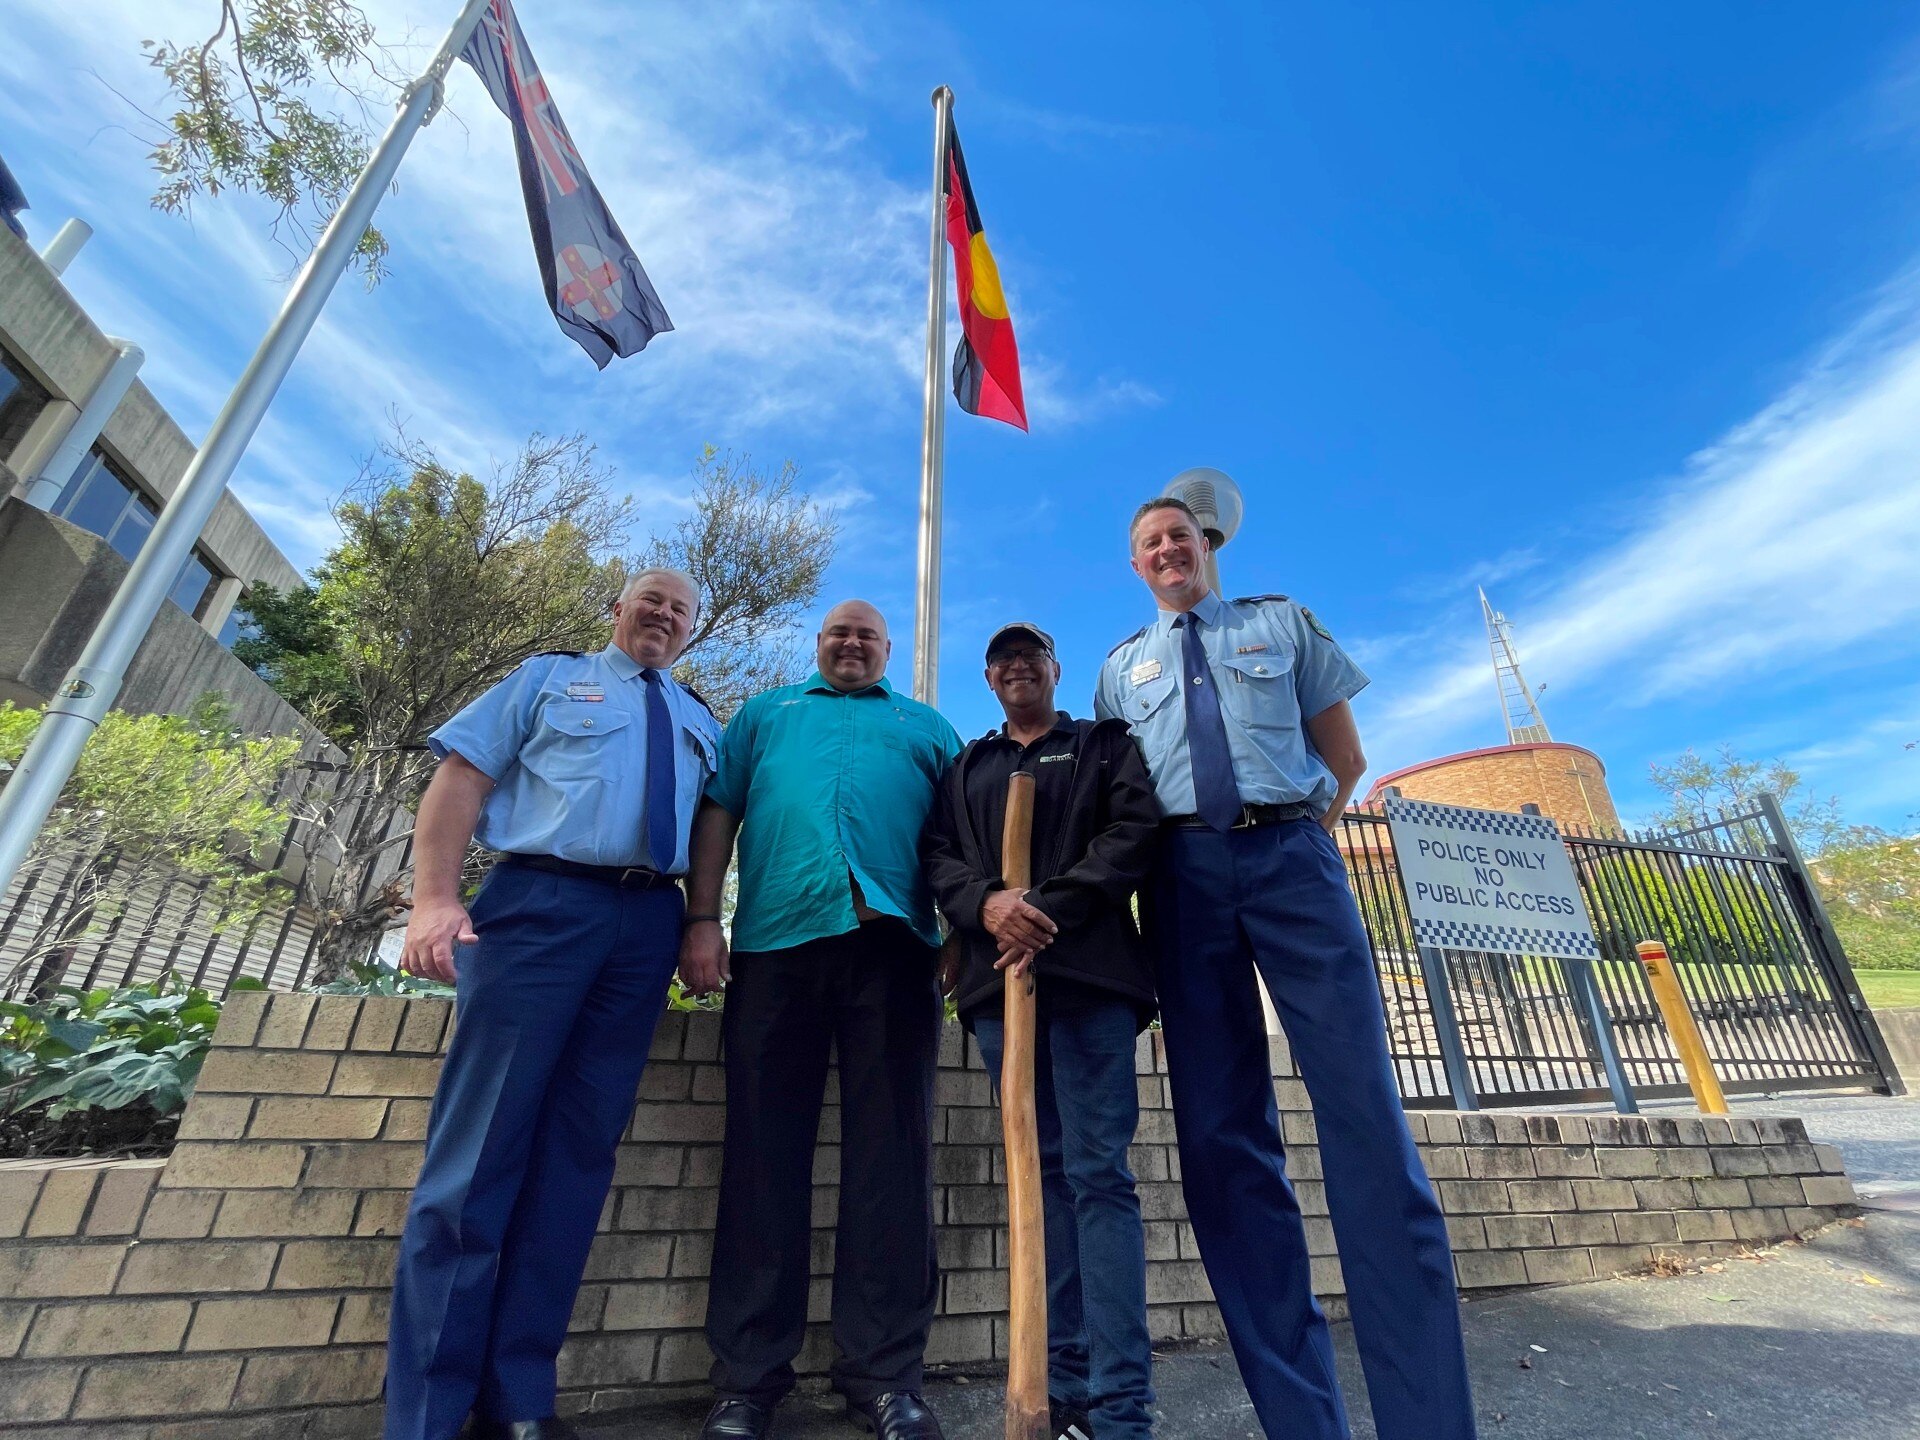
column 1099, row 1354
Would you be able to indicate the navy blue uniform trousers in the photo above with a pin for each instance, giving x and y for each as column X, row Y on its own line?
column 1275, row 898
column 556, row 1010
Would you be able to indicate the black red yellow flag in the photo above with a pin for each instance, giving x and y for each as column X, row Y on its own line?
column 986, row 363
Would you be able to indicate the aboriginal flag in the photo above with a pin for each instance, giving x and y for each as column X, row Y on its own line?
column 986, row 364
column 595, row 285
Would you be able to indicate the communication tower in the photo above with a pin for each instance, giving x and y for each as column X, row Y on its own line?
column 1525, row 724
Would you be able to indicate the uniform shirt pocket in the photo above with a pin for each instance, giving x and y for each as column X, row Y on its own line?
column 1257, row 690
column 569, row 742
column 1147, row 698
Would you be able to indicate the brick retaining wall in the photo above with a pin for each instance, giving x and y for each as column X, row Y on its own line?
column 238, row 1288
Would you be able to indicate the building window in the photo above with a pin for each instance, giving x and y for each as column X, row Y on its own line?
column 236, row 619
column 21, row 400
column 99, row 498
column 194, row 587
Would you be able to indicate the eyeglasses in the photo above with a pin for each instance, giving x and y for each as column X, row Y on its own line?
column 1032, row 655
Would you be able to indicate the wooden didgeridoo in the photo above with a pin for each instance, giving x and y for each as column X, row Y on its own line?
column 1027, row 1417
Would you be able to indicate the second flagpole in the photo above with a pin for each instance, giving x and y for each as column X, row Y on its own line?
column 926, row 613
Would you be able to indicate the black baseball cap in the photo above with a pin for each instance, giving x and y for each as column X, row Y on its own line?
column 1019, row 627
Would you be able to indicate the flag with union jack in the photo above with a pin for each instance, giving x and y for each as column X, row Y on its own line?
column 599, row 293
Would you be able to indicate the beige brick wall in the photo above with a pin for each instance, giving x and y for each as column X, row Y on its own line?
column 1566, row 782
column 239, row 1288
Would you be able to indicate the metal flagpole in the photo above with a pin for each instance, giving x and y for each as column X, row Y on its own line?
column 926, row 612
column 90, row 688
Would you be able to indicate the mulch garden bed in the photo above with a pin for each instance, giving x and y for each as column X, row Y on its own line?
column 133, row 1133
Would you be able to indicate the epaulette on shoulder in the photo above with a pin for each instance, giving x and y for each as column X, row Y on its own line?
column 701, row 698
column 552, row 655
column 1256, row 599
column 1126, row 642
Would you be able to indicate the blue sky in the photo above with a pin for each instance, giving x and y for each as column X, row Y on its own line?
column 1613, row 308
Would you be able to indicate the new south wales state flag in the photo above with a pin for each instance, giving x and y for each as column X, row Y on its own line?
column 986, row 363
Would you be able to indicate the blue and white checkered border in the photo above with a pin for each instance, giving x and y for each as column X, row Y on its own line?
column 1473, row 822
column 1505, row 939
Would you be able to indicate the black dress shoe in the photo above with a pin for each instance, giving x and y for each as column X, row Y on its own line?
column 734, row 1419
column 896, row 1415
column 547, row 1429
column 1068, row 1423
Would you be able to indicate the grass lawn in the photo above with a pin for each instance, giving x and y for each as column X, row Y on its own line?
column 1890, row 989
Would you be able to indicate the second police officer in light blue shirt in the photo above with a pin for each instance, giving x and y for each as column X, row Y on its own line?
column 1239, row 708
column 584, row 770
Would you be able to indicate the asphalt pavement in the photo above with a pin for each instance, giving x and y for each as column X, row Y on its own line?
column 1806, row 1341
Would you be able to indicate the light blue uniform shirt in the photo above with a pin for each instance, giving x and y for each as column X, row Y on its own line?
column 1276, row 668
column 827, row 785
column 564, row 739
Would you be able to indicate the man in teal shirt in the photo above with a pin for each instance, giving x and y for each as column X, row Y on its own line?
column 828, row 785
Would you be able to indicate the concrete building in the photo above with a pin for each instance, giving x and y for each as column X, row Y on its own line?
column 66, row 538
column 87, row 458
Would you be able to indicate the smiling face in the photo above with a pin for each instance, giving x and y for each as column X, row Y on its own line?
column 1023, row 675
column 653, row 621
column 1169, row 553
column 853, row 647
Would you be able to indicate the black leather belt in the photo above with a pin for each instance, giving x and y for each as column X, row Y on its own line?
column 1250, row 816
column 627, row 877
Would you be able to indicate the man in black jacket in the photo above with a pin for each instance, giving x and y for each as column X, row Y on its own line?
column 1094, row 823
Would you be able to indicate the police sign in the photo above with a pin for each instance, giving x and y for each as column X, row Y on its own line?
column 1487, row 880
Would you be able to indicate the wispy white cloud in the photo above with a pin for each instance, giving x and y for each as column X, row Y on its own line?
column 1789, row 544
column 734, row 147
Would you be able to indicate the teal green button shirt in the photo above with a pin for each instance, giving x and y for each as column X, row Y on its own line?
column 825, row 785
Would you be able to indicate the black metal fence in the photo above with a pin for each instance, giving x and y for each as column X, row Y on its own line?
column 1732, row 901
column 1763, row 971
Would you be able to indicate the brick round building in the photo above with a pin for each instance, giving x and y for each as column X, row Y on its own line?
column 1567, row 782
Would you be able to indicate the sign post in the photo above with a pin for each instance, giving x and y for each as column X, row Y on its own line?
column 1500, row 884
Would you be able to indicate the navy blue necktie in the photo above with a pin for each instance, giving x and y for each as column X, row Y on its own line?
column 662, row 846
column 1216, row 797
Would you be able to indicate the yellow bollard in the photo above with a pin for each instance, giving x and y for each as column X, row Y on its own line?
column 1686, row 1035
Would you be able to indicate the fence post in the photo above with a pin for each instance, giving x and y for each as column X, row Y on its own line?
column 1859, row 1014
column 1586, row 991
column 1446, row 1029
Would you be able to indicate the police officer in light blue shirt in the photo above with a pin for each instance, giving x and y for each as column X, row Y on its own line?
column 584, row 771
column 1240, row 709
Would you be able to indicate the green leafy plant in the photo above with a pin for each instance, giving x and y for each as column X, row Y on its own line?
column 154, row 800
column 80, row 1050
column 378, row 977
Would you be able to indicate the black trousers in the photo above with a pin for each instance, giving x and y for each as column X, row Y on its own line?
column 872, row 995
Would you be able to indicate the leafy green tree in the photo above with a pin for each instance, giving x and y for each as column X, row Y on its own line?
column 289, row 641
column 1869, row 879
column 255, row 112
column 442, row 583
column 153, row 797
column 758, row 549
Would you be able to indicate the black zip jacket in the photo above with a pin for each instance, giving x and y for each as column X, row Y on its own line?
column 1102, row 844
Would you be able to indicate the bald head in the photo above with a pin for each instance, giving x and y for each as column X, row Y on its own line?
column 853, row 648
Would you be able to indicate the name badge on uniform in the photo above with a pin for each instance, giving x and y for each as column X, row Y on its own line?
column 591, row 691
column 1050, row 759
column 1146, row 670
